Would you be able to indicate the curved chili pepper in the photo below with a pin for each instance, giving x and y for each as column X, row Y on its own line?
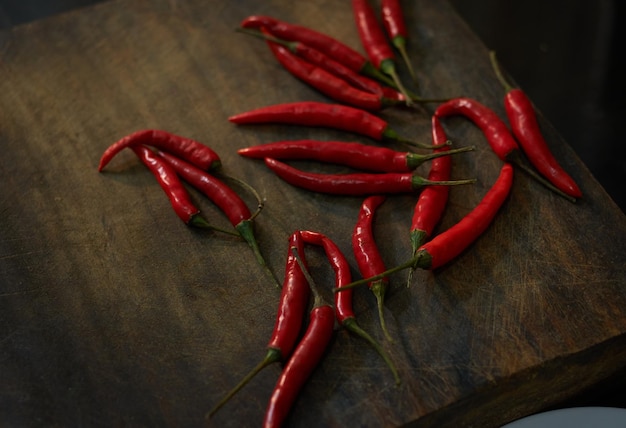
column 343, row 301
column 498, row 135
column 226, row 200
column 375, row 44
column 322, row 60
column 301, row 364
column 312, row 113
column 354, row 184
column 393, row 21
column 368, row 255
column 172, row 186
column 449, row 244
column 354, row 155
column 433, row 199
column 328, row 45
column 523, row 120
column 191, row 150
column 327, row 83
column 289, row 318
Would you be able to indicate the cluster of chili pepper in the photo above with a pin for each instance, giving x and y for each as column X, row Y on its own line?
column 360, row 87
column 174, row 159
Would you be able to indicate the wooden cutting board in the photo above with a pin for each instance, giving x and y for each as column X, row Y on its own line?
column 114, row 313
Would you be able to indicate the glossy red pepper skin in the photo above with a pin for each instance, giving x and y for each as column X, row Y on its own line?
column 449, row 244
column 392, row 19
column 311, row 113
column 495, row 130
column 341, row 267
column 343, row 184
column 191, row 150
column 293, row 301
column 499, row 137
column 169, row 182
column 372, row 36
column 344, row 311
column 322, row 42
column 525, row 127
column 215, row 189
column 353, row 184
column 289, row 318
column 300, row 365
column 327, row 83
column 432, row 200
column 354, row 155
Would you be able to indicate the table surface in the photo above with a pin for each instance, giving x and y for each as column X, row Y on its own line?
column 116, row 313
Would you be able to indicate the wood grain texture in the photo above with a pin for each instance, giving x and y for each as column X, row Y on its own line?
column 114, row 313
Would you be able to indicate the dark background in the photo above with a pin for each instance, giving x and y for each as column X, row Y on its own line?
column 564, row 53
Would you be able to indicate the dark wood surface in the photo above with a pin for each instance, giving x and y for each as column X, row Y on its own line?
column 114, row 313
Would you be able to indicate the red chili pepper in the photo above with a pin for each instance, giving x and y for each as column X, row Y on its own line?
column 367, row 254
column 343, row 301
column 449, row 244
column 523, row 120
column 433, row 199
column 304, row 360
column 289, row 318
column 191, row 150
column 337, row 116
column 354, row 155
column 498, row 135
column 354, row 184
column 393, row 21
column 327, row 83
column 320, row 41
column 224, row 197
column 374, row 42
column 172, row 186
column 322, row 60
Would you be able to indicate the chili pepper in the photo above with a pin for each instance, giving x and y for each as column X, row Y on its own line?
column 373, row 39
column 226, row 200
column 328, row 45
column 302, row 362
column 322, row 60
column 498, row 135
column 368, row 255
column 354, row 184
column 523, row 120
column 448, row 245
column 172, row 186
column 289, row 318
column 191, row 150
column 355, row 155
column 393, row 21
column 327, row 83
column 337, row 116
column 433, row 199
column 343, row 301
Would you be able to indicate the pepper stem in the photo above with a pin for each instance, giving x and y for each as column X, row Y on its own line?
column 379, row 288
column 413, row 262
column 201, row 223
column 273, row 355
column 388, row 67
column 418, row 238
column 318, row 300
column 351, row 325
column 286, row 43
column 498, row 71
column 246, row 231
column 392, row 135
column 516, row 157
column 400, row 43
column 419, row 182
column 413, row 160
